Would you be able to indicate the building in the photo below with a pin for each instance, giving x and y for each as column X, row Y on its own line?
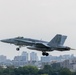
column 4, row 61
column 20, row 60
column 45, row 59
column 33, row 57
column 70, row 64
column 25, row 54
column 2, row 58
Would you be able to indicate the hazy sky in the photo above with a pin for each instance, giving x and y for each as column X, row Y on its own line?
column 39, row 19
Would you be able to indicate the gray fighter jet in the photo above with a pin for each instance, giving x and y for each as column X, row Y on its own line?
column 55, row 44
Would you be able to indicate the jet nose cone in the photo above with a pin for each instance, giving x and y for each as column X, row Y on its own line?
column 11, row 41
column 3, row 40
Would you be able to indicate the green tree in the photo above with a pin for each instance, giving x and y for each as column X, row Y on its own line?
column 9, row 71
column 46, row 70
column 74, row 73
column 65, row 71
column 26, row 70
column 44, row 74
column 31, row 70
column 56, row 66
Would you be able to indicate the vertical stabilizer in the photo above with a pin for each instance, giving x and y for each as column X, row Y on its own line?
column 57, row 40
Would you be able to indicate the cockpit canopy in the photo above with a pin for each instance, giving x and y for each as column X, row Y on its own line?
column 19, row 37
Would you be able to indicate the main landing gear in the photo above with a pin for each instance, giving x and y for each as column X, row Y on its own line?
column 44, row 53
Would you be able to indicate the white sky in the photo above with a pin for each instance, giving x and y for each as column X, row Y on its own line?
column 39, row 19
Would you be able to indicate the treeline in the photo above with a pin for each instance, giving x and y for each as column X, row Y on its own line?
column 32, row 70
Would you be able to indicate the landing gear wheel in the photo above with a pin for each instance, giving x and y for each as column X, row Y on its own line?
column 17, row 49
column 43, row 53
column 47, row 54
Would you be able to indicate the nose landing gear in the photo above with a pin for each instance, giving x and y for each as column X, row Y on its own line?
column 17, row 49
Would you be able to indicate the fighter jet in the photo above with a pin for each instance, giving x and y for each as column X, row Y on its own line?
column 55, row 44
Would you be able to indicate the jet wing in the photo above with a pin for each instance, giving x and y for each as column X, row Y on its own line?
column 41, row 45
